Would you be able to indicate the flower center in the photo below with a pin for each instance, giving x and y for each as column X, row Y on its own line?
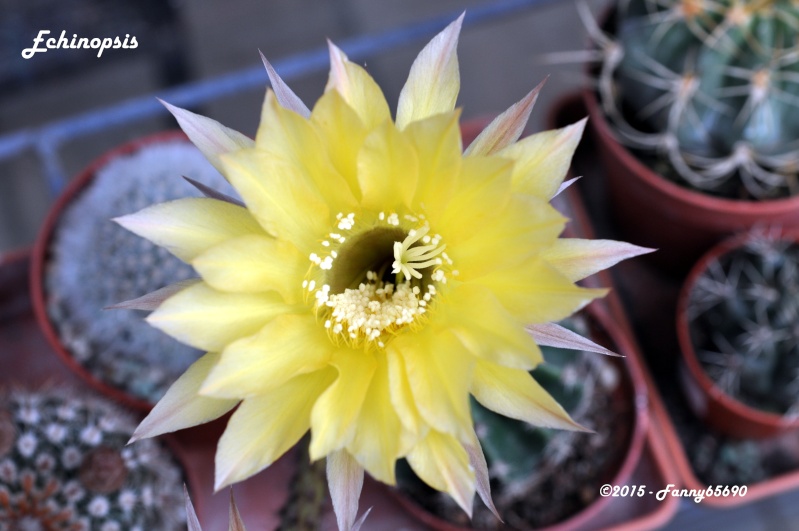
column 376, row 276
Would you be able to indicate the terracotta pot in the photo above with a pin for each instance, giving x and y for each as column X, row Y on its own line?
column 632, row 391
column 41, row 254
column 653, row 211
column 709, row 402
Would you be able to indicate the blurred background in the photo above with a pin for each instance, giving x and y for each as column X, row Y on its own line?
column 182, row 41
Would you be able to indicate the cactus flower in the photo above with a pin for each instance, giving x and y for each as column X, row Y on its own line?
column 373, row 277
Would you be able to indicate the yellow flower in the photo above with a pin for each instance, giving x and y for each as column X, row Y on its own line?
column 374, row 277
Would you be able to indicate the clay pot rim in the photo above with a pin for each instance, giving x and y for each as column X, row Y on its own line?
column 771, row 421
column 635, row 447
column 674, row 190
column 40, row 256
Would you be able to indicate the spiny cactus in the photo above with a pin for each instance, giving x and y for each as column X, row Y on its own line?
column 96, row 263
column 710, row 88
column 540, row 476
column 743, row 315
column 307, row 499
column 64, row 466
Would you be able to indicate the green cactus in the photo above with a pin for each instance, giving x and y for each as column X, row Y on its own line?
column 64, row 466
column 743, row 316
column 709, row 88
column 95, row 263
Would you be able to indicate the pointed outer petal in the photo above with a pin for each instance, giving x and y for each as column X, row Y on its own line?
column 254, row 263
column 281, row 197
column 566, row 184
column 358, row 89
column 187, row 227
column 554, row 335
column 377, row 443
column 515, row 394
column 439, row 371
column 287, row 346
column 343, row 132
column 211, row 138
column 437, row 141
column 388, row 170
column 182, row 407
column 402, row 395
column 506, row 128
column 482, row 191
column 292, row 139
column 208, row 319
column 576, row 258
column 441, row 461
column 192, row 521
column 535, row 292
column 434, row 81
column 152, row 301
column 345, row 480
column 477, row 460
column 285, row 96
column 207, row 191
column 236, row 523
column 486, row 329
column 543, row 159
column 334, row 416
column 264, row 427
column 525, row 227
column 359, row 523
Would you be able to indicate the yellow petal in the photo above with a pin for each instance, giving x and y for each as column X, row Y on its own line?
column 402, row 395
column 437, row 141
column 264, row 427
column 208, row 319
column 487, row 329
column 281, row 196
column 181, row 406
column 506, row 128
column 188, row 227
column 211, row 138
column 439, row 371
column 254, row 263
column 482, row 191
column 514, row 393
column 526, row 226
column 535, row 292
column 434, row 81
column 287, row 346
column 334, row 416
column 543, row 159
column 344, row 132
column 357, row 88
column 294, row 141
column 441, row 462
column 577, row 259
column 388, row 170
column 377, row 444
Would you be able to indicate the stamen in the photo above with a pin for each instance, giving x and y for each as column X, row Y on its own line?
column 409, row 260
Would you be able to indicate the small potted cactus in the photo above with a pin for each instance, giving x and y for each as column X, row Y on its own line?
column 697, row 118
column 83, row 262
column 543, row 477
column 738, row 328
column 64, row 464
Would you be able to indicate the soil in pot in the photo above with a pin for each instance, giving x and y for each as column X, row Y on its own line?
column 64, row 464
column 92, row 263
column 542, row 476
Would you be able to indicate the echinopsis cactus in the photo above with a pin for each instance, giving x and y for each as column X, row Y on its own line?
column 743, row 314
column 64, row 466
column 710, row 87
column 95, row 263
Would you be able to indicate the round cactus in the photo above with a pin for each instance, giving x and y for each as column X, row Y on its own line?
column 710, row 88
column 95, row 263
column 64, row 466
column 743, row 314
